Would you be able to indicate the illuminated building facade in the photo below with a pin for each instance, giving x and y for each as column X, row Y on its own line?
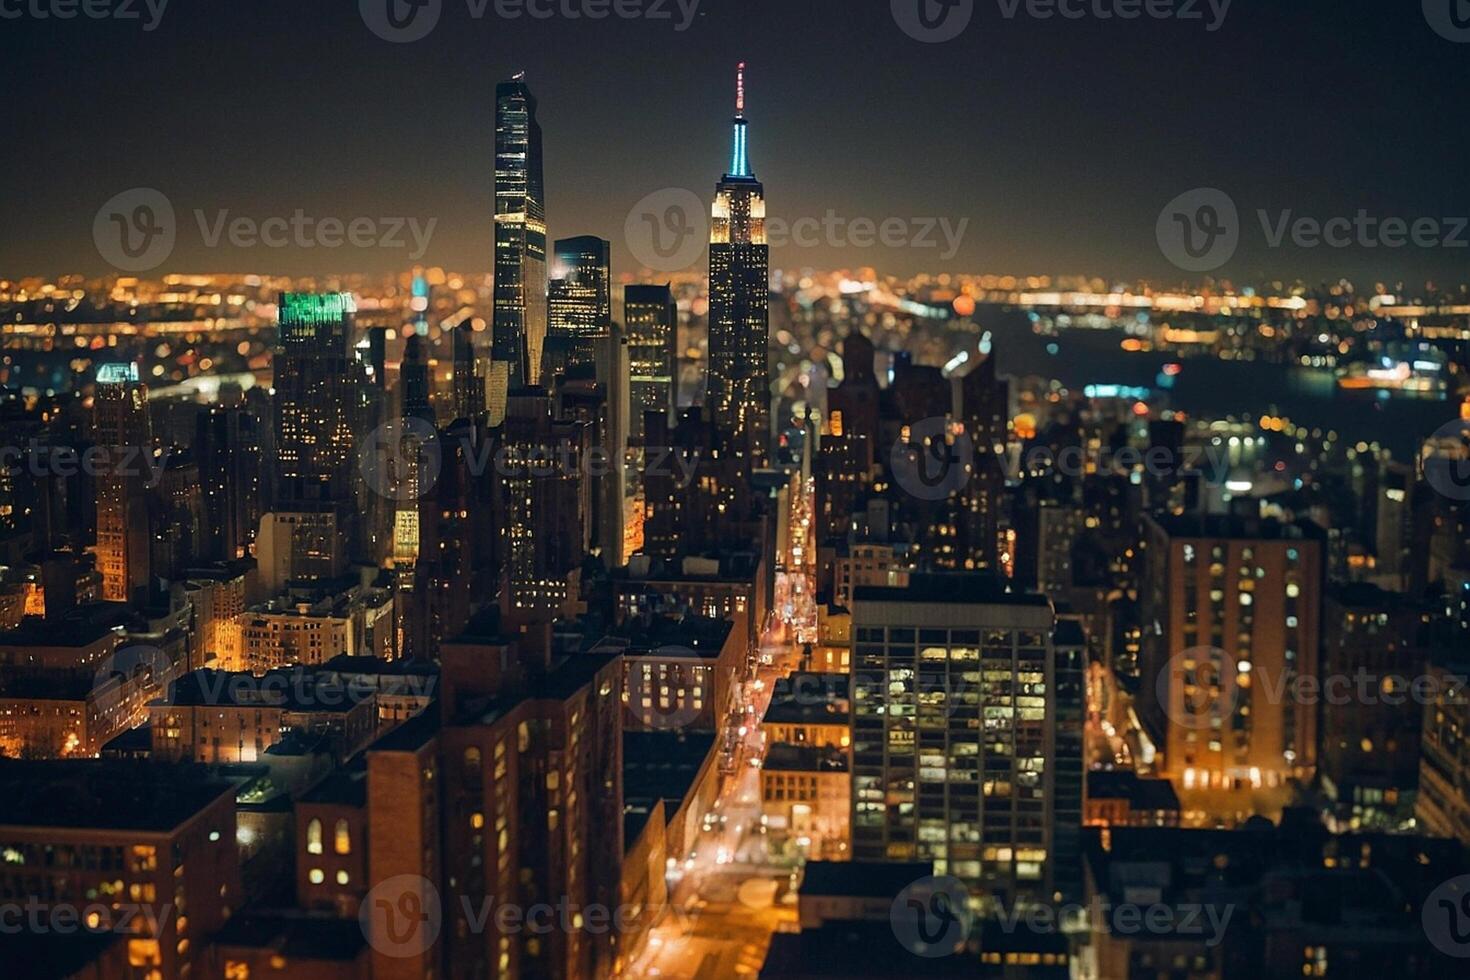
column 316, row 399
column 651, row 321
column 532, row 792
column 738, row 387
column 545, row 501
column 518, row 329
column 123, row 431
column 1370, row 750
column 1443, row 804
column 579, row 297
column 954, row 732
column 148, row 836
column 1231, row 610
column 985, row 399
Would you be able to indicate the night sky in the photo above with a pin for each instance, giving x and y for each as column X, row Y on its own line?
column 1058, row 140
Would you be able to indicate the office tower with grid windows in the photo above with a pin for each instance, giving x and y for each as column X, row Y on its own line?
column 955, row 732
column 579, row 300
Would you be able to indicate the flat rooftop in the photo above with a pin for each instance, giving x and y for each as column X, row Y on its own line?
column 950, row 588
column 106, row 795
column 662, row 766
column 295, row 936
column 862, row 879
column 663, row 636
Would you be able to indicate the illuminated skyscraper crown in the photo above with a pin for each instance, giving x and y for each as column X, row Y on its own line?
column 739, row 160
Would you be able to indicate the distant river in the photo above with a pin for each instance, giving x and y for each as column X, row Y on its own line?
column 1213, row 388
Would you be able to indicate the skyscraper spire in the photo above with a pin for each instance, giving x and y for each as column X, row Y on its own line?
column 739, row 161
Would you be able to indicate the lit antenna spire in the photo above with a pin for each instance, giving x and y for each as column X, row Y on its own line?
column 739, row 162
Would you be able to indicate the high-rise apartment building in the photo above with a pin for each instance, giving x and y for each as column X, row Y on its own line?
column 545, row 502
column 518, row 328
column 954, row 736
column 1230, row 609
column 738, row 387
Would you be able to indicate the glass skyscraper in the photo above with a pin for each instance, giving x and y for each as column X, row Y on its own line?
column 738, row 389
column 579, row 301
column 519, row 323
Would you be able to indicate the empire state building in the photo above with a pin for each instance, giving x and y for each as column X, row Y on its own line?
column 738, row 394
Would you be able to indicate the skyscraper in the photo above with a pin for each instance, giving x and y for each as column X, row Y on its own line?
column 581, row 298
column 519, row 323
column 651, row 321
column 122, row 428
column 738, row 387
column 315, row 397
column 469, row 385
column 227, row 446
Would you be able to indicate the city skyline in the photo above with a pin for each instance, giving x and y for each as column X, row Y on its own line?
column 1071, row 183
column 670, row 546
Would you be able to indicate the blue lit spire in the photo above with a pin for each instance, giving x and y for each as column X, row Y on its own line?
column 739, row 161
